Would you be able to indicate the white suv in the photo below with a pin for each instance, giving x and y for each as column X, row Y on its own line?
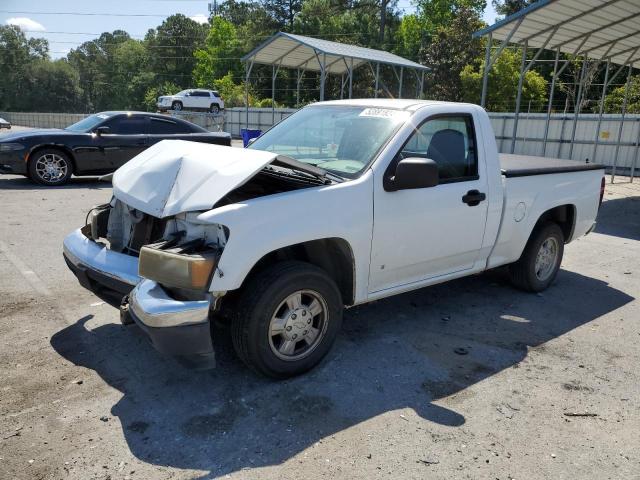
column 209, row 100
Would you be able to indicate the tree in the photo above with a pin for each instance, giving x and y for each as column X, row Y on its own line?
column 435, row 14
column 283, row 11
column 503, row 84
column 450, row 50
column 220, row 56
column 16, row 54
column 614, row 100
column 509, row 7
column 171, row 48
column 51, row 87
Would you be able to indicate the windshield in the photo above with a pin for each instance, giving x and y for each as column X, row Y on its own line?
column 341, row 139
column 89, row 123
column 183, row 92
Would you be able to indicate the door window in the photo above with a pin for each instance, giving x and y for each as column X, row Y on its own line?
column 450, row 142
column 159, row 126
column 128, row 126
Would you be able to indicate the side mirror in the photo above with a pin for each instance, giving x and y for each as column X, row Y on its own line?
column 413, row 173
column 102, row 130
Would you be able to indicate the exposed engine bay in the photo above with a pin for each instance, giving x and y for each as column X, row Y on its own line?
column 126, row 229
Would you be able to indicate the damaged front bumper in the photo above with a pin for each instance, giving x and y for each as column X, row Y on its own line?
column 98, row 268
column 175, row 327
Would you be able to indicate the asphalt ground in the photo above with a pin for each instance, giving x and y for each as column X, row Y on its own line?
column 469, row 379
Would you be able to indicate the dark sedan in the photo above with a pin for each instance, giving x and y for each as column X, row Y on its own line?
column 96, row 145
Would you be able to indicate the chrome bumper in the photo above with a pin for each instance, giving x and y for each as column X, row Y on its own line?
column 97, row 267
column 175, row 327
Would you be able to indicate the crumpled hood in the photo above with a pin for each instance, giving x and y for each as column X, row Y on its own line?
column 175, row 176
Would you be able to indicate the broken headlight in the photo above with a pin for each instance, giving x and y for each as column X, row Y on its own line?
column 189, row 266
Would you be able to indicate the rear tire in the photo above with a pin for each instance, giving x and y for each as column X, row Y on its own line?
column 214, row 108
column 287, row 319
column 50, row 167
column 539, row 264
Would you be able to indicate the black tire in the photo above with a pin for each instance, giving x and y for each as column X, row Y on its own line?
column 524, row 273
column 43, row 176
column 177, row 106
column 263, row 297
column 214, row 108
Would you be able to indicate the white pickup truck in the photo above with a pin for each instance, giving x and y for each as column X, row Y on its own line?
column 342, row 203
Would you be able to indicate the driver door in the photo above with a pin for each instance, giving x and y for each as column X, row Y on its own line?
column 424, row 233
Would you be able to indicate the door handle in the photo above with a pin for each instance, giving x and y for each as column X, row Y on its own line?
column 473, row 198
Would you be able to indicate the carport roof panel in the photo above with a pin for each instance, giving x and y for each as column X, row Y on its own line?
column 601, row 29
column 297, row 51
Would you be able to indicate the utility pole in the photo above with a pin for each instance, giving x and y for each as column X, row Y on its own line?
column 213, row 8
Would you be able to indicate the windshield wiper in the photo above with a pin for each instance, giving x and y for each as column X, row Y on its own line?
column 321, row 173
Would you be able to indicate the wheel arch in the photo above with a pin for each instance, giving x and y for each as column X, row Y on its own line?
column 334, row 255
column 563, row 215
column 53, row 146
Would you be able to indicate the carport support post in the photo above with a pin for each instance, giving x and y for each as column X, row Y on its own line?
column 299, row 79
column 578, row 102
column 624, row 112
column 400, row 88
column 274, row 72
column 323, row 75
column 519, row 96
column 351, row 78
column 485, row 72
column 604, row 91
column 550, row 105
column 377, row 78
column 421, row 84
column 248, row 67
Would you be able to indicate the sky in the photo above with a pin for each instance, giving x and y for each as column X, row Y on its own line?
column 53, row 20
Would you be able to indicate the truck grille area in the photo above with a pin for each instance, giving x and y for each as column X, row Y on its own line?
column 124, row 228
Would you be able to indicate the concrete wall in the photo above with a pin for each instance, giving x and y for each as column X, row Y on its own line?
column 529, row 140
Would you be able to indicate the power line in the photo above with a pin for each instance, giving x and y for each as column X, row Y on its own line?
column 90, row 14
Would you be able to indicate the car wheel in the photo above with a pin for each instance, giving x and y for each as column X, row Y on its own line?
column 50, row 167
column 541, row 259
column 214, row 108
column 177, row 106
column 287, row 319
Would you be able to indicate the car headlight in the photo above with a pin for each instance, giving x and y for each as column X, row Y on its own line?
column 177, row 266
column 11, row 147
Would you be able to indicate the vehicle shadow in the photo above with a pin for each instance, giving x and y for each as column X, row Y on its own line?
column 620, row 217
column 404, row 352
column 18, row 182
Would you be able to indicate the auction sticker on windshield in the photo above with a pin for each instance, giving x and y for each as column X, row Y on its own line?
column 384, row 113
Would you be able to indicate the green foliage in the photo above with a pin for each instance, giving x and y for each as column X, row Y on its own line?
column 614, row 100
column 220, row 56
column 435, row 14
column 232, row 94
column 450, row 50
column 51, row 86
column 17, row 53
column 171, row 49
column 152, row 94
column 503, row 84
column 509, row 7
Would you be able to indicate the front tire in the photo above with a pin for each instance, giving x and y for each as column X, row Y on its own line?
column 541, row 259
column 287, row 319
column 50, row 167
column 177, row 106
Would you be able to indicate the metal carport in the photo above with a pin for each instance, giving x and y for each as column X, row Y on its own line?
column 605, row 31
column 304, row 54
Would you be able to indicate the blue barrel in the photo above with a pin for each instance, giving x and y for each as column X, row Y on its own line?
column 248, row 134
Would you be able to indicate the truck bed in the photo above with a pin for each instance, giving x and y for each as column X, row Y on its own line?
column 525, row 165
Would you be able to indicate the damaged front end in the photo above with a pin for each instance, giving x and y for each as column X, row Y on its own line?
column 148, row 248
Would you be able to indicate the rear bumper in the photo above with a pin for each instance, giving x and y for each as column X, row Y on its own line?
column 174, row 327
column 98, row 268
